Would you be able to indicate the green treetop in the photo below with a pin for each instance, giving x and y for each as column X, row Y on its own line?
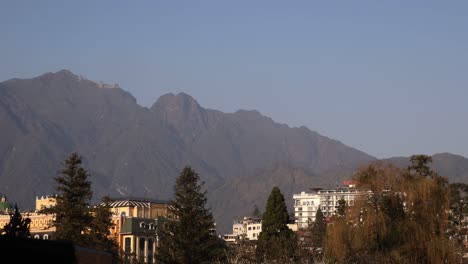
column 276, row 242
column 191, row 237
column 73, row 216
column 319, row 229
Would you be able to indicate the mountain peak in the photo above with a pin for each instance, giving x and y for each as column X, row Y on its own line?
column 65, row 72
column 182, row 102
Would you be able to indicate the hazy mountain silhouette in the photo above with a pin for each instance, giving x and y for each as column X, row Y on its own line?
column 138, row 151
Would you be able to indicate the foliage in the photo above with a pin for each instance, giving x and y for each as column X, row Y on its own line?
column 458, row 228
column 101, row 226
column 420, row 165
column 276, row 242
column 17, row 227
column 75, row 220
column 73, row 216
column 242, row 252
column 191, row 237
column 401, row 219
column 256, row 212
column 341, row 208
column 319, row 229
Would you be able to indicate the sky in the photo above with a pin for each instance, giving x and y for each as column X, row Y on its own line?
column 389, row 78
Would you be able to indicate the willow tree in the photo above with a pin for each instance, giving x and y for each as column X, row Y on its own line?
column 400, row 219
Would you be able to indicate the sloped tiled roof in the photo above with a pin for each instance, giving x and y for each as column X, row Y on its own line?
column 135, row 202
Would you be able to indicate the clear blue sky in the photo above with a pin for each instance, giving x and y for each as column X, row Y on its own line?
column 387, row 77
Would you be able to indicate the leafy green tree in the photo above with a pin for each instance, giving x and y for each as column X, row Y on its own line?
column 319, row 229
column 17, row 227
column 191, row 237
column 100, row 228
column 276, row 242
column 73, row 217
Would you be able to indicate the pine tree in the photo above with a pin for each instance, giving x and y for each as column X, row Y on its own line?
column 319, row 229
column 73, row 216
column 100, row 228
column 276, row 242
column 191, row 237
column 256, row 212
column 17, row 227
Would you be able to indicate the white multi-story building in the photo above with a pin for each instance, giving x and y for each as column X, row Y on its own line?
column 248, row 228
column 306, row 204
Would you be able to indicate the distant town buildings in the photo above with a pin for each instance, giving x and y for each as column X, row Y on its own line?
column 306, row 204
column 248, row 228
column 41, row 224
column 135, row 229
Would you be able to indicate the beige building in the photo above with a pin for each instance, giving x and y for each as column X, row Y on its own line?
column 136, row 224
column 41, row 224
column 135, row 221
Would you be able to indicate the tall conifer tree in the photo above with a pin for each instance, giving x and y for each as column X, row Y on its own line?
column 319, row 229
column 101, row 226
column 191, row 237
column 73, row 216
column 276, row 243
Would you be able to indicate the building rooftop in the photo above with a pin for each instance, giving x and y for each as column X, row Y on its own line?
column 135, row 202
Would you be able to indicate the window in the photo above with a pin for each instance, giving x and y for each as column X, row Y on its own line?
column 299, row 208
column 150, row 250
column 128, row 244
column 254, row 234
column 142, row 246
column 250, row 228
column 37, row 237
column 45, row 237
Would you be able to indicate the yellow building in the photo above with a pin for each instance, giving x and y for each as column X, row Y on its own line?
column 135, row 221
column 45, row 202
column 136, row 226
column 41, row 224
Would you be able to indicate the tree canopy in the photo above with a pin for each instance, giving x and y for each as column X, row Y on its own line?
column 276, row 242
column 191, row 237
column 73, row 216
column 401, row 218
column 17, row 226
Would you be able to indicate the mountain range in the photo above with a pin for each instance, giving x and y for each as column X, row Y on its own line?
column 131, row 150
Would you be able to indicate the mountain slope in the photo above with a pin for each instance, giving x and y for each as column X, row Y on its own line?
column 454, row 167
column 138, row 151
